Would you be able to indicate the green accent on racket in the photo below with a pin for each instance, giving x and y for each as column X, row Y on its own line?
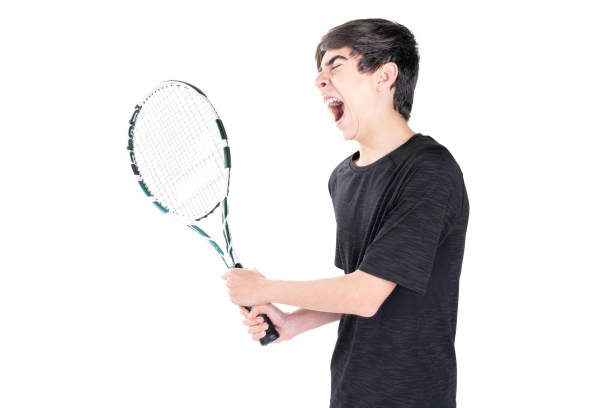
column 180, row 156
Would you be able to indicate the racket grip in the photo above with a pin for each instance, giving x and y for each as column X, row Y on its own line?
column 271, row 333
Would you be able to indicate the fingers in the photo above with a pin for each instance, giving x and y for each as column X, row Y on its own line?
column 252, row 322
column 259, row 331
column 262, row 309
column 258, row 328
column 256, row 325
column 258, row 336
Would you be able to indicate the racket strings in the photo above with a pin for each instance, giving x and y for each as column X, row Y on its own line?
column 179, row 151
column 214, row 155
column 186, row 127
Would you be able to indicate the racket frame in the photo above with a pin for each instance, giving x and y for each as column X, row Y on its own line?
column 228, row 256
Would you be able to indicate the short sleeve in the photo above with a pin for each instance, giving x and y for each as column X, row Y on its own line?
column 338, row 256
column 404, row 247
column 331, row 184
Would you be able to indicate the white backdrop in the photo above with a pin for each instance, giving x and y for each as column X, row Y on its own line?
column 104, row 303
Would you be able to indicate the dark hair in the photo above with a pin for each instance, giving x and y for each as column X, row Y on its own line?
column 379, row 41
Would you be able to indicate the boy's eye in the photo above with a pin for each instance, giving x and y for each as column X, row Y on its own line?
column 335, row 67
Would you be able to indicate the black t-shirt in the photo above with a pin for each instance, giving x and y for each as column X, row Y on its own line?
column 402, row 218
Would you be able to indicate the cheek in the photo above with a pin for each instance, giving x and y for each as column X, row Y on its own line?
column 358, row 97
column 358, row 106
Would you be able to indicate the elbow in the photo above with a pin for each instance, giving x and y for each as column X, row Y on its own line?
column 370, row 293
column 367, row 314
column 369, row 309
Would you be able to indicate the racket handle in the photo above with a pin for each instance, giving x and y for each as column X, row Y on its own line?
column 271, row 333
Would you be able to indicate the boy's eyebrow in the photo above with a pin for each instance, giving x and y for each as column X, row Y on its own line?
column 332, row 59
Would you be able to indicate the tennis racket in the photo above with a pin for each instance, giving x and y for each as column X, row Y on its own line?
column 181, row 159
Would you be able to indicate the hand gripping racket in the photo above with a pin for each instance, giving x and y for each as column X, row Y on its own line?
column 180, row 156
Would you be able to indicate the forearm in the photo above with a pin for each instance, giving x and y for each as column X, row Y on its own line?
column 342, row 294
column 303, row 320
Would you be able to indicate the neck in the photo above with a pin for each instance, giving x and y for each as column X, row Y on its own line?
column 381, row 141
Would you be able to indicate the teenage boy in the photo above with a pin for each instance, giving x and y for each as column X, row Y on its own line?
column 401, row 210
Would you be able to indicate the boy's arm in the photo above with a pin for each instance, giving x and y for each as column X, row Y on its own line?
column 303, row 320
column 357, row 293
column 288, row 325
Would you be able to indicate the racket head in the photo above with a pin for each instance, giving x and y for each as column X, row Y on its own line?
column 179, row 152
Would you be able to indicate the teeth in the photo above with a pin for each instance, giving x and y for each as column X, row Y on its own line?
column 333, row 100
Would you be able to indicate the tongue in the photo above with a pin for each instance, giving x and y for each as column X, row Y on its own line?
column 337, row 110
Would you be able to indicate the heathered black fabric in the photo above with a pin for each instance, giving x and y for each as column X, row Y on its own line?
column 402, row 218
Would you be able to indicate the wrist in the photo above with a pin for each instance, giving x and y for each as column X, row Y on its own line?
column 266, row 290
column 291, row 324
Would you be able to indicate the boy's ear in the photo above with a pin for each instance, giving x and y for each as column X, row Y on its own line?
column 386, row 76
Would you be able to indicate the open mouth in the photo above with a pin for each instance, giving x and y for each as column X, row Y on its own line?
column 336, row 107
